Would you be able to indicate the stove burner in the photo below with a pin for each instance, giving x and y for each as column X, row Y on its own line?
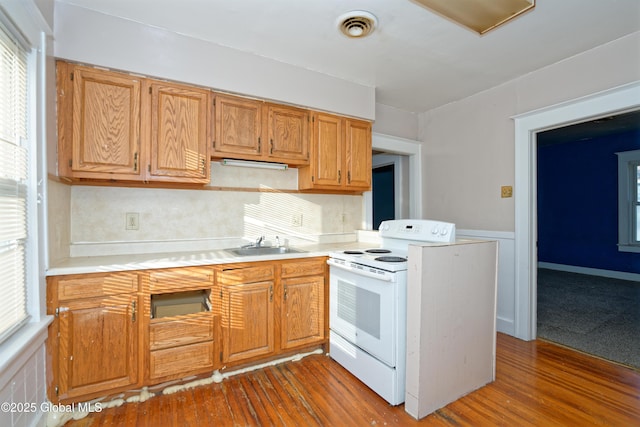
column 378, row 251
column 353, row 252
column 390, row 259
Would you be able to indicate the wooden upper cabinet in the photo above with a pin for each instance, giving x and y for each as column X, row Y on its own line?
column 178, row 120
column 288, row 134
column 238, row 127
column 114, row 126
column 358, row 154
column 99, row 123
column 251, row 129
column 340, row 155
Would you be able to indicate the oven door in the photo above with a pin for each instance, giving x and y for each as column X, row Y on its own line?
column 362, row 309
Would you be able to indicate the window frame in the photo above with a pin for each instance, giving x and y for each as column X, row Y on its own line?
column 628, row 201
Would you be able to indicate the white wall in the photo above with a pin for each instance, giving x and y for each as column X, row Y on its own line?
column 469, row 152
column 396, row 122
column 469, row 145
column 87, row 36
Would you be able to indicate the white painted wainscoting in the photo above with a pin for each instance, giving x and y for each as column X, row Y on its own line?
column 505, row 321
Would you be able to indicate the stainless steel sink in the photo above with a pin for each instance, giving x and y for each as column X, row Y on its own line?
column 262, row 250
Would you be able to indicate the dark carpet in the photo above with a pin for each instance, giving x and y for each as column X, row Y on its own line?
column 597, row 315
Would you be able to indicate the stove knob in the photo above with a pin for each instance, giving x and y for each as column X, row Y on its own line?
column 434, row 230
column 444, row 232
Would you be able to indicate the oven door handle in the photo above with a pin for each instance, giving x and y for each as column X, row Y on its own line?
column 382, row 277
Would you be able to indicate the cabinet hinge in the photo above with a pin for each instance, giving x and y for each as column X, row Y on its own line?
column 150, row 90
column 259, row 144
column 71, row 76
column 312, row 178
column 135, row 162
column 221, row 356
column 220, row 293
column 149, row 167
column 70, row 162
column 271, row 147
column 57, row 390
column 61, row 310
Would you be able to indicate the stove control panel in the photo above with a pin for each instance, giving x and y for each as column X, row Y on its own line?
column 422, row 230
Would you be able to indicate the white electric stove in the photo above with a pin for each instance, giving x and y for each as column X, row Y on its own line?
column 367, row 304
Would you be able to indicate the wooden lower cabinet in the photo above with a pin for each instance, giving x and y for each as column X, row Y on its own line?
column 104, row 339
column 93, row 342
column 268, row 308
column 302, row 319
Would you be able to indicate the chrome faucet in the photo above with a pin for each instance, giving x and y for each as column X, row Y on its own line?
column 259, row 241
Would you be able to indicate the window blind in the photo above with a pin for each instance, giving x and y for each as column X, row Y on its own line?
column 14, row 158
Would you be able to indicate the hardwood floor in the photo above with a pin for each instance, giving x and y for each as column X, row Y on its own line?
column 537, row 384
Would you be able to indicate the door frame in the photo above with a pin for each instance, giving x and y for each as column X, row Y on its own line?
column 406, row 147
column 613, row 101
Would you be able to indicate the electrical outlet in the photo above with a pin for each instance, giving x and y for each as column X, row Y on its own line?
column 296, row 220
column 132, row 221
column 506, row 191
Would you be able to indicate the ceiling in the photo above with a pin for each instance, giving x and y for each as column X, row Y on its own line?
column 415, row 59
column 592, row 129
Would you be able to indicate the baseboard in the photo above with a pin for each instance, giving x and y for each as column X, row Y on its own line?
column 591, row 271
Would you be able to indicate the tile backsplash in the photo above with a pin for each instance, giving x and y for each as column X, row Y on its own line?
column 200, row 219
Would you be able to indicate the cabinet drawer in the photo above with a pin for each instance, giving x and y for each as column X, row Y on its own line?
column 183, row 361
column 181, row 331
column 312, row 267
column 234, row 275
column 89, row 286
column 178, row 279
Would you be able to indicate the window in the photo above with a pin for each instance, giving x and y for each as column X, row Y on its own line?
column 14, row 158
column 629, row 201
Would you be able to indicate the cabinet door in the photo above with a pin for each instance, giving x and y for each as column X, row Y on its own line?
column 98, row 345
column 327, row 150
column 288, row 134
column 238, row 126
column 303, row 311
column 179, row 132
column 247, row 321
column 358, row 154
column 104, row 123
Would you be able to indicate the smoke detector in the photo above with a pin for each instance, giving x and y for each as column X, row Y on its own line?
column 357, row 23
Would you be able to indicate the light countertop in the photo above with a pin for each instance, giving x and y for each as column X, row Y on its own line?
column 113, row 263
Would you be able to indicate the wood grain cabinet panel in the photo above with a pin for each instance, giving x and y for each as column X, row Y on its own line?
column 288, row 129
column 181, row 361
column 180, row 279
column 96, row 285
column 238, row 127
column 247, row 321
column 118, row 127
column 179, row 128
column 303, row 313
column 358, row 154
column 98, row 346
column 181, row 330
column 340, row 155
column 99, row 123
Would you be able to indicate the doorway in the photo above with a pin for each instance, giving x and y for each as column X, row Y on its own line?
column 610, row 102
column 383, row 194
column 406, row 156
column 587, row 289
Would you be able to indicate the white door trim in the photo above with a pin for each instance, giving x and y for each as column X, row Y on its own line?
column 413, row 149
column 613, row 101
